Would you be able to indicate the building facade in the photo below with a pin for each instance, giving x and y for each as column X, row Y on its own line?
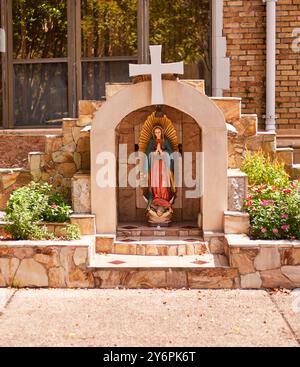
column 58, row 52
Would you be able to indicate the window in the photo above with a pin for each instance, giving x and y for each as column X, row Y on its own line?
column 60, row 51
column 109, row 43
column 39, row 61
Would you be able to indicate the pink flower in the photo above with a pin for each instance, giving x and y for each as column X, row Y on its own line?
column 284, row 216
column 264, row 230
column 54, row 206
column 285, row 228
column 293, row 185
column 287, row 191
column 275, row 230
column 264, row 202
column 274, row 188
column 254, row 209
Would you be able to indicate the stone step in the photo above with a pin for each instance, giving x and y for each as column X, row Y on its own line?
column 146, row 231
column 126, row 271
column 153, row 247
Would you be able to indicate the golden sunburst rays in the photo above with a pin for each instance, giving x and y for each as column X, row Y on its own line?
column 168, row 130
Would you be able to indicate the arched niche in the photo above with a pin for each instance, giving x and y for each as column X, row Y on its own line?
column 191, row 102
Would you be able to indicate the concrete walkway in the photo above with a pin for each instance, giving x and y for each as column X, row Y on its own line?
column 45, row 317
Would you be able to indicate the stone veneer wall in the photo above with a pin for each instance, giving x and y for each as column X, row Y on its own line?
column 66, row 154
column 66, row 265
column 264, row 264
column 244, row 29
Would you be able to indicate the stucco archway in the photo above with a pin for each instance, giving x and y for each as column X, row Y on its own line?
column 214, row 145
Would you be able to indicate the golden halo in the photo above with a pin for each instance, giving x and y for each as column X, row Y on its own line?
column 167, row 127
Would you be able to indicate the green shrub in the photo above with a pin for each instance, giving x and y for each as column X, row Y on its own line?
column 28, row 206
column 274, row 212
column 262, row 170
column 71, row 232
column 57, row 209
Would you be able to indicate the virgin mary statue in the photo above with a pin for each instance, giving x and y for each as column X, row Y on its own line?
column 158, row 141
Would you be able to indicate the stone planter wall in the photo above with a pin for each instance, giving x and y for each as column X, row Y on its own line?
column 265, row 264
column 57, row 264
column 62, row 264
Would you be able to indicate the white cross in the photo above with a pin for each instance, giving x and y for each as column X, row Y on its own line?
column 156, row 69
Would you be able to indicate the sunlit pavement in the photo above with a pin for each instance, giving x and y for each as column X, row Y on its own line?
column 46, row 317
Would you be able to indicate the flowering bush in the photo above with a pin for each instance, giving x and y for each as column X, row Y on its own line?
column 29, row 206
column 57, row 209
column 274, row 211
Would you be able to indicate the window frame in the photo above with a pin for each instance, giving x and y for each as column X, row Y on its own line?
column 74, row 58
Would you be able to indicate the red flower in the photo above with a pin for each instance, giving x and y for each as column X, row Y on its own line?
column 287, row 191
column 285, row 228
column 250, row 197
column 250, row 203
column 54, row 206
column 275, row 230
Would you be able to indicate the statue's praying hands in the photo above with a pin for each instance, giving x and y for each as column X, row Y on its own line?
column 158, row 149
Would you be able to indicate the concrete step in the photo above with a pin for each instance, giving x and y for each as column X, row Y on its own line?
column 127, row 271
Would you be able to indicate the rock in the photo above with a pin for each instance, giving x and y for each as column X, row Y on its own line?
column 53, row 143
column 145, row 279
column 86, row 224
column 244, row 261
column 66, row 258
column 80, row 279
column 71, row 147
column 293, row 273
column 83, row 144
column 8, row 268
column 81, row 193
column 77, row 160
column 268, row 258
column 62, row 157
column 23, row 252
column 211, row 278
column 67, row 169
column 76, row 133
column 251, row 281
column 8, row 180
column 176, row 279
column 41, row 258
column 80, row 256
column 216, row 246
column 57, row 277
column 275, row 279
column 236, row 222
column 31, row 274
